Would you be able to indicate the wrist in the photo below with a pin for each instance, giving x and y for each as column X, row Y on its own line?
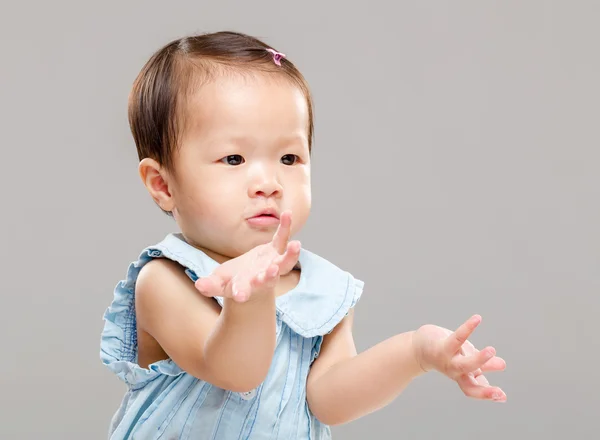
column 261, row 300
column 417, row 352
column 250, row 317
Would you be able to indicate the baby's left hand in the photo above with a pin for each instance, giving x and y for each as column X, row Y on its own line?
column 453, row 355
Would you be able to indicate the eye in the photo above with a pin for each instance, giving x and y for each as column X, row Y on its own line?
column 233, row 160
column 289, row 159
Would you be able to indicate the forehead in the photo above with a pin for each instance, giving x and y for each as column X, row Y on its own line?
column 258, row 106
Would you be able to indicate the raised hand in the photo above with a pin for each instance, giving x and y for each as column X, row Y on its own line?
column 256, row 272
column 450, row 353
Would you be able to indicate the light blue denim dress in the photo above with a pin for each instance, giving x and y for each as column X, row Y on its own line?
column 165, row 402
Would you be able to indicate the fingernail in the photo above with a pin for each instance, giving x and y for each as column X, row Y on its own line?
column 497, row 396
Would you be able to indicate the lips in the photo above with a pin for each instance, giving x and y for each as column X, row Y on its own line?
column 269, row 212
column 265, row 219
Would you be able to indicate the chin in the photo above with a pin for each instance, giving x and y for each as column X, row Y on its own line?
column 266, row 237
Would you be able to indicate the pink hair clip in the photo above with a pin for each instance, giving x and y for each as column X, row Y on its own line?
column 277, row 56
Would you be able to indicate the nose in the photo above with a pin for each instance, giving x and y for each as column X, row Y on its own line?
column 265, row 183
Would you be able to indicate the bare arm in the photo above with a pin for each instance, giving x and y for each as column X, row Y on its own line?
column 242, row 343
column 231, row 349
column 343, row 386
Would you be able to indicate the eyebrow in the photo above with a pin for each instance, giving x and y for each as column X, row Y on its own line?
column 246, row 142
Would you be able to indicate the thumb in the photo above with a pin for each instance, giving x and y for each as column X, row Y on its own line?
column 210, row 286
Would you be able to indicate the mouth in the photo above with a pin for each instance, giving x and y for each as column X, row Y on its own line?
column 266, row 213
column 265, row 219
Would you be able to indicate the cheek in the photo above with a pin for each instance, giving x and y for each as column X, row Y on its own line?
column 213, row 189
column 301, row 203
column 308, row 191
column 218, row 202
column 305, row 197
column 305, row 188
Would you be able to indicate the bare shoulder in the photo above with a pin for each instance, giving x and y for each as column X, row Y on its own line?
column 341, row 334
column 337, row 346
column 173, row 318
column 163, row 281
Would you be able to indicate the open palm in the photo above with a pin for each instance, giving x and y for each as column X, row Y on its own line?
column 453, row 355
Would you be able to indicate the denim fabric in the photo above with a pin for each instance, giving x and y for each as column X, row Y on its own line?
column 164, row 402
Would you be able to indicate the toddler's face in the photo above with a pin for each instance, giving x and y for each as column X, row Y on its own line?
column 245, row 150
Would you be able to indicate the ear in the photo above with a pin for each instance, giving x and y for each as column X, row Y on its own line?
column 156, row 181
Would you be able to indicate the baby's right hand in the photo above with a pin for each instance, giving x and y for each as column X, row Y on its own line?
column 256, row 272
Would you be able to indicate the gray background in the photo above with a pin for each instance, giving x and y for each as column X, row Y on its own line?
column 456, row 171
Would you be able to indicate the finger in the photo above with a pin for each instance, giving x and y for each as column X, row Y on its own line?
column 468, row 348
column 288, row 260
column 467, row 364
column 265, row 279
column 471, row 387
column 482, row 380
column 455, row 341
column 210, row 286
column 282, row 236
column 494, row 364
column 258, row 280
column 240, row 289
